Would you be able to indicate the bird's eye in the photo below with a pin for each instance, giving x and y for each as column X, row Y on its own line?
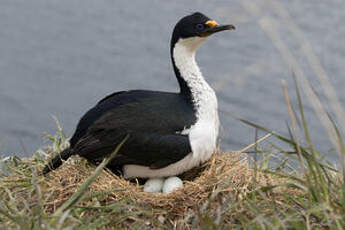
column 200, row 27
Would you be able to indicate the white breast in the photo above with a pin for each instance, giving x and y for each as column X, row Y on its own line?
column 203, row 134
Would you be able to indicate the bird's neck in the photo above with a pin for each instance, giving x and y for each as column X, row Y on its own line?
column 191, row 81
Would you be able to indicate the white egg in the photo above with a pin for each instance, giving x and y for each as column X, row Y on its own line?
column 171, row 184
column 154, row 185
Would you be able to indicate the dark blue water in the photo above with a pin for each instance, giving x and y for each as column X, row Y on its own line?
column 59, row 57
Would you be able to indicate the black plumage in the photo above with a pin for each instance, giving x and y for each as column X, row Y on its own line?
column 154, row 120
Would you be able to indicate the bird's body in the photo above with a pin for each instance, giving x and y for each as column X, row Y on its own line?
column 169, row 133
column 153, row 142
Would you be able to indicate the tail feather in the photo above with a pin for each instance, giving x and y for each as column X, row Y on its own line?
column 57, row 161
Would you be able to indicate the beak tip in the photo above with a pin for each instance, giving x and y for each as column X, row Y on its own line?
column 231, row 27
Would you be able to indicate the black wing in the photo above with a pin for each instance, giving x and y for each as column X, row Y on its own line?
column 152, row 120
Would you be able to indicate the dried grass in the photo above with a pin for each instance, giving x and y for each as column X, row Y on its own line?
column 229, row 174
column 219, row 191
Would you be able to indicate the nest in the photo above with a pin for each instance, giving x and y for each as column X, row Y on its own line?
column 223, row 174
column 209, row 190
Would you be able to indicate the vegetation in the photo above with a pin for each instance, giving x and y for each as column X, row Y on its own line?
column 273, row 188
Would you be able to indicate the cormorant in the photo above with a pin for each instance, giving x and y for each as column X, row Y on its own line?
column 169, row 133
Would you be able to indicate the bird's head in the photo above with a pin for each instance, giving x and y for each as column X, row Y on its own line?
column 195, row 28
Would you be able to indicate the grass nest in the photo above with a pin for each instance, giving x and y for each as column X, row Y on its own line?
column 224, row 175
column 209, row 190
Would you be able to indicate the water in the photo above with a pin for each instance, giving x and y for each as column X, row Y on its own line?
column 59, row 57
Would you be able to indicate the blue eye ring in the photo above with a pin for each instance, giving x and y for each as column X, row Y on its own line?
column 200, row 26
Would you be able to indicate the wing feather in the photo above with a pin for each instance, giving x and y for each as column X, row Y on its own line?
column 152, row 119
